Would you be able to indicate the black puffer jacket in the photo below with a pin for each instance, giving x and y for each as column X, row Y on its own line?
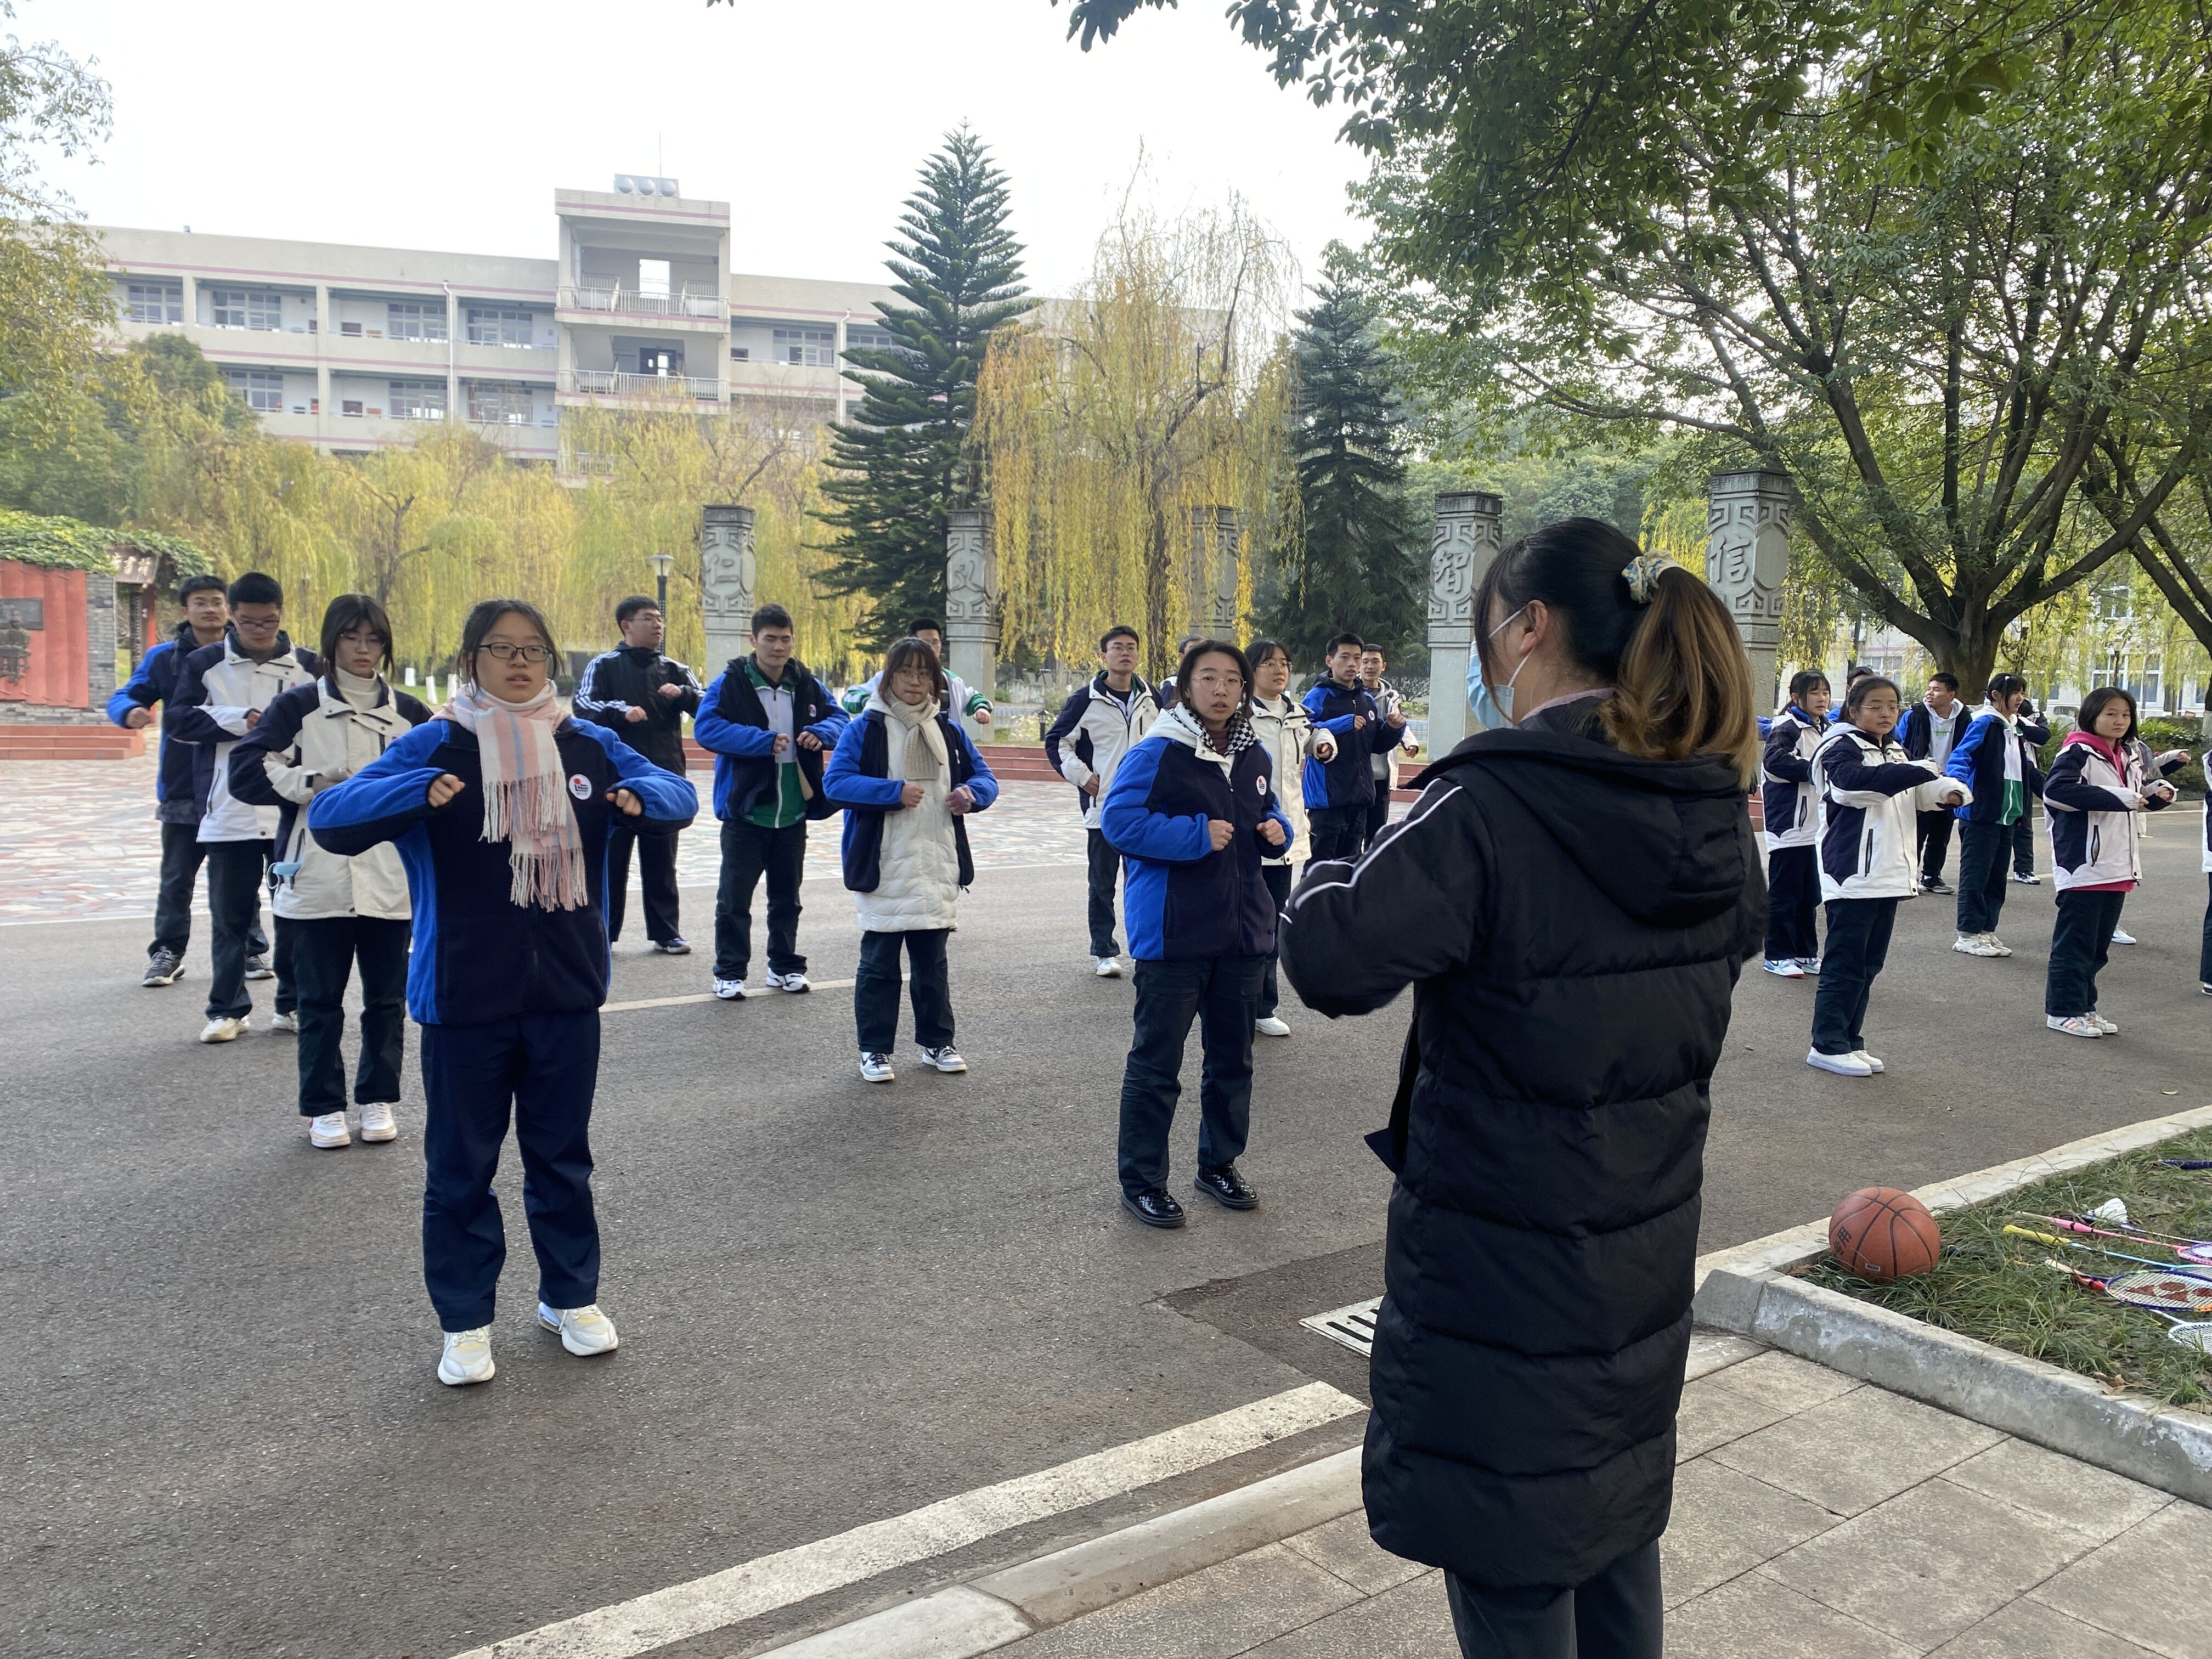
column 1572, row 920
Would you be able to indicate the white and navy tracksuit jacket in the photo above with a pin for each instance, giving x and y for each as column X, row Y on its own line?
column 1870, row 793
column 1095, row 729
column 1787, row 799
column 2096, row 839
column 217, row 687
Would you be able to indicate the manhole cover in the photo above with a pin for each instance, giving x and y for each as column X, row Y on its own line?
column 1353, row 1327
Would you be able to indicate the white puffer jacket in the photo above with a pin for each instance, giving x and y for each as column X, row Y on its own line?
column 1287, row 733
column 919, row 887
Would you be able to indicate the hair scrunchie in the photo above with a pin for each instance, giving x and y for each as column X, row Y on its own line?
column 1641, row 574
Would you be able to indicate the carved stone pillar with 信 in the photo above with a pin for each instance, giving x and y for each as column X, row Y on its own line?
column 727, row 573
column 1747, row 519
column 971, row 601
column 1469, row 532
column 1217, row 552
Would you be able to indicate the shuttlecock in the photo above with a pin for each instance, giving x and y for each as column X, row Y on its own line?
column 2113, row 1210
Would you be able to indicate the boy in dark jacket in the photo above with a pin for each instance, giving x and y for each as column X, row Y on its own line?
column 1338, row 791
column 1996, row 761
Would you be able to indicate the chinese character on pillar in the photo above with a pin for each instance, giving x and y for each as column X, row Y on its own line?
column 1216, row 555
column 1747, row 519
column 725, row 583
column 971, row 601
column 1469, row 532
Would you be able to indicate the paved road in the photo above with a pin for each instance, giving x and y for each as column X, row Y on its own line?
column 837, row 1302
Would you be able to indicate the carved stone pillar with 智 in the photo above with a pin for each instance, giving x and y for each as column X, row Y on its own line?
column 971, row 601
column 1747, row 519
column 727, row 574
column 1216, row 558
column 1469, row 531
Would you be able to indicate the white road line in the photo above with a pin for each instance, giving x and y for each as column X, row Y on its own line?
column 721, row 1599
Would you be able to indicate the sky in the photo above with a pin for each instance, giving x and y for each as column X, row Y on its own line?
column 448, row 127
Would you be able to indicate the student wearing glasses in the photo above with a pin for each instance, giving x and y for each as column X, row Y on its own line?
column 500, row 807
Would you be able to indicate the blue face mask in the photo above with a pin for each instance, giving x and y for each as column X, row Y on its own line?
column 1493, row 711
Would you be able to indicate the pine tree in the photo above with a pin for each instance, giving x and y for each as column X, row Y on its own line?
column 903, row 465
column 1357, row 566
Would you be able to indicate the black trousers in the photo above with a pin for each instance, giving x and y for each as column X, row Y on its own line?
column 1223, row 993
column 1933, row 831
column 749, row 851
column 234, row 874
column 875, row 989
column 1618, row 1615
column 1105, row 869
column 1858, row 944
column 542, row 1069
column 1278, row 889
column 1983, row 851
column 1334, row 832
column 656, row 861
column 1793, row 904
column 323, row 952
column 182, row 854
column 2023, row 842
column 2080, row 945
column 1378, row 813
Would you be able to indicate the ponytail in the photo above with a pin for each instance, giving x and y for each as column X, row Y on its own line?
column 1684, row 685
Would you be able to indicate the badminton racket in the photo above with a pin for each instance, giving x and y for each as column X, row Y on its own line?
column 2202, row 1275
column 2188, row 1249
column 2158, row 1294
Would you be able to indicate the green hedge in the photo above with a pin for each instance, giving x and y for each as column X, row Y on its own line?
column 68, row 544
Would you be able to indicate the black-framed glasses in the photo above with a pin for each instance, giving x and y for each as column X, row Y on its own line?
column 502, row 651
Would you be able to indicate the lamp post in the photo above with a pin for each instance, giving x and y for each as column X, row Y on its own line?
column 660, row 562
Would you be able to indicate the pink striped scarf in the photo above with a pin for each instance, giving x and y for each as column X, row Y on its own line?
column 526, row 794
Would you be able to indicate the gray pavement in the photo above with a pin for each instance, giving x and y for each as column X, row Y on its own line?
column 838, row 1303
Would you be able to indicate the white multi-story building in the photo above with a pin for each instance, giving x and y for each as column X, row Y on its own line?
column 350, row 349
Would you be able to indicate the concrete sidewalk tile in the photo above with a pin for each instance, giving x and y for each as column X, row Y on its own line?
column 1786, row 1381
column 1852, row 1452
column 1413, row 1621
column 1712, row 1415
column 1930, row 1563
column 2079, row 1495
column 1724, row 1525
column 1343, row 1546
column 2028, row 1626
column 1211, row 1614
column 1715, row 1351
column 1755, row 1617
column 2146, row 1586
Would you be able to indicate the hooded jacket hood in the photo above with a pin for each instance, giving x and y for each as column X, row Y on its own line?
column 1669, row 842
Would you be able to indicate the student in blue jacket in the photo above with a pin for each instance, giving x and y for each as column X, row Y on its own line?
column 1995, row 760
column 500, row 807
column 1339, row 790
column 1193, row 809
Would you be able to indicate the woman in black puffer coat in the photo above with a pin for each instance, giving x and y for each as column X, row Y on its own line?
column 1571, row 899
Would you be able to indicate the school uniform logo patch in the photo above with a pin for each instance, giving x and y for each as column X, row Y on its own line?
column 1260, row 785
column 580, row 787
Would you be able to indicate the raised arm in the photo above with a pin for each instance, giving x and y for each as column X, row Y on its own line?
column 1857, row 782
column 1134, row 829
column 669, row 801
column 382, row 801
column 139, row 691
column 843, row 781
column 982, row 781
column 1782, row 759
column 590, row 704
column 729, row 736
column 264, row 764
column 2067, row 788
column 190, row 717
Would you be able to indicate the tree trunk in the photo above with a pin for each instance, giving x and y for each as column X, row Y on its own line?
column 1156, row 590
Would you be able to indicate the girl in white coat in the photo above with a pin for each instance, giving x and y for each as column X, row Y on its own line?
column 908, row 776
column 1870, row 792
column 1289, row 735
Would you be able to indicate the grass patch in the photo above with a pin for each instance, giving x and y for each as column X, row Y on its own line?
column 1991, row 1288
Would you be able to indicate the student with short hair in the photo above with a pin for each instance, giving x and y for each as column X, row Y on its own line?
column 1790, row 807
column 1384, row 762
column 341, row 911
column 499, row 808
column 1289, row 735
column 1931, row 731
column 1338, row 791
column 962, row 704
column 2035, row 732
column 1097, row 725
column 1994, row 761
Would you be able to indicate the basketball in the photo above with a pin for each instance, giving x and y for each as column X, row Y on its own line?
column 1883, row 1235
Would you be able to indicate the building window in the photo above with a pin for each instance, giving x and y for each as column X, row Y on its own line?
column 652, row 278
column 499, row 403
column 241, row 308
column 350, row 406
column 741, row 354
column 415, row 320
column 154, row 302
column 418, row 400
column 262, row 389
column 810, row 348
column 870, row 339
column 499, row 327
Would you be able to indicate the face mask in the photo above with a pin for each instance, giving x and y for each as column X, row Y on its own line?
column 1494, row 710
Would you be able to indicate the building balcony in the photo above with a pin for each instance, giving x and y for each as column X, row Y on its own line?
column 617, row 306
column 365, row 431
column 615, row 383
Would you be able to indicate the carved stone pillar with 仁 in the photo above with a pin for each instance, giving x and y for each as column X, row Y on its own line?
column 1470, row 530
column 971, row 601
column 1747, row 520
column 727, row 572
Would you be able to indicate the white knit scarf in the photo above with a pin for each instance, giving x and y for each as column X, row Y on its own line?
column 926, row 759
column 526, row 794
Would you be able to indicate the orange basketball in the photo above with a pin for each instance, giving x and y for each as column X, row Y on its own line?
column 1883, row 1235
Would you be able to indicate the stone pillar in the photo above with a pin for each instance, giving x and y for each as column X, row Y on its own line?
column 98, row 639
column 726, row 584
column 971, row 601
column 1747, row 518
column 1470, row 530
column 1216, row 557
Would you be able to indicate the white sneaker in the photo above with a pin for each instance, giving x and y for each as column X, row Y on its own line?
column 2026, row 881
column 877, row 1068
column 730, row 990
column 330, row 1130
column 1841, row 1065
column 467, row 1358
column 2102, row 1024
column 946, row 1059
column 376, row 1122
column 1973, row 944
column 794, row 983
column 584, row 1330
column 1786, row 969
column 259, row 967
column 1107, row 967
column 1998, row 946
column 2119, row 937
column 223, row 1029
column 1270, row 1026
column 285, row 1023
column 1874, row 1065
column 2074, row 1025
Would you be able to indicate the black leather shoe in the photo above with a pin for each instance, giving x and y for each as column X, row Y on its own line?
column 1154, row 1209
column 1227, row 1188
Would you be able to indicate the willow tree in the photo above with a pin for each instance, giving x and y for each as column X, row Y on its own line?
column 1159, row 386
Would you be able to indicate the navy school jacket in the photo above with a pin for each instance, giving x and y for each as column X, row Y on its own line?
column 155, row 680
column 1346, row 779
column 858, row 780
column 478, row 955
column 1182, row 900
column 732, row 722
column 1978, row 760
